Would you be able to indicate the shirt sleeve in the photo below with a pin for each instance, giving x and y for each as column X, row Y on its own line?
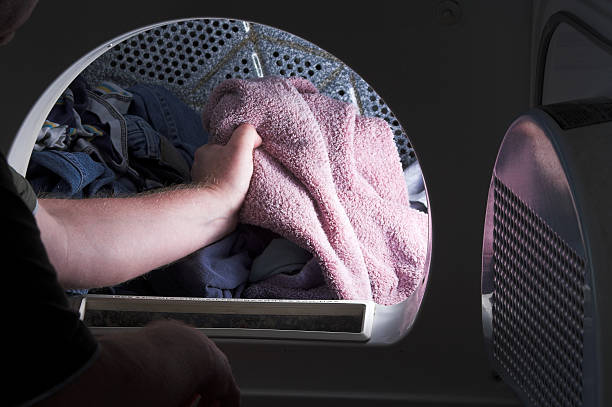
column 24, row 190
column 48, row 343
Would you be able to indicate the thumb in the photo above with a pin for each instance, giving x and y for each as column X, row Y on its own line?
column 245, row 137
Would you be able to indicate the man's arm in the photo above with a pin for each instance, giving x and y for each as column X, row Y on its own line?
column 104, row 241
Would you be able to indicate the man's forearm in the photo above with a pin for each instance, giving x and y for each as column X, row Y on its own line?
column 104, row 241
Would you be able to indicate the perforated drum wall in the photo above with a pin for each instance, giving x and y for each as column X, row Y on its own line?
column 191, row 57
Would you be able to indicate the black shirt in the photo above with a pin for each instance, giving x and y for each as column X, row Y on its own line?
column 24, row 190
column 47, row 343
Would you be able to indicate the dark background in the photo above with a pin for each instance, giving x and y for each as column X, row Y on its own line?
column 455, row 86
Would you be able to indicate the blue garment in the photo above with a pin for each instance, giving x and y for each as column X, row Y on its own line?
column 106, row 106
column 72, row 101
column 416, row 187
column 170, row 117
column 150, row 148
column 153, row 156
column 219, row 270
column 96, row 128
column 280, row 256
column 101, row 107
column 72, row 175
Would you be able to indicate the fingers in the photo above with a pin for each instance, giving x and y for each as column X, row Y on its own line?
column 232, row 395
column 228, row 167
column 245, row 137
column 222, row 390
column 230, row 399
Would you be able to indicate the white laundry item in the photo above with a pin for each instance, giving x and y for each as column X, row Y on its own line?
column 53, row 136
column 416, row 186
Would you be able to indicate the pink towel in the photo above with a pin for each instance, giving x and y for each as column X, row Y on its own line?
column 330, row 181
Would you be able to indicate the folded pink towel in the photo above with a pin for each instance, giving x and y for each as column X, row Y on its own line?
column 330, row 181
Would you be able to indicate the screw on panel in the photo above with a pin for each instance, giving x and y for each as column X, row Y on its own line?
column 448, row 12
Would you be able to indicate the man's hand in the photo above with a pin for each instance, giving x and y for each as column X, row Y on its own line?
column 228, row 169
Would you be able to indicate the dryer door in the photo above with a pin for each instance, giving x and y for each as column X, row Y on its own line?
column 573, row 61
column 544, row 306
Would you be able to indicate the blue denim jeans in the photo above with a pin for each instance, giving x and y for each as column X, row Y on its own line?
column 171, row 117
column 153, row 156
column 148, row 140
column 103, row 108
column 73, row 175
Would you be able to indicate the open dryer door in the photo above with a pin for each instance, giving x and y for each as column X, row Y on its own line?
column 546, row 281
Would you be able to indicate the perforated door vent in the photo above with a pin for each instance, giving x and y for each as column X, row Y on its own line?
column 537, row 304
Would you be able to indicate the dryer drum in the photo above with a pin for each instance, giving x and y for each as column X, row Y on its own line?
column 539, row 274
column 191, row 57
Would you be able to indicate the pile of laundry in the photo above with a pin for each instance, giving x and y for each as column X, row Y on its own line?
column 328, row 214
